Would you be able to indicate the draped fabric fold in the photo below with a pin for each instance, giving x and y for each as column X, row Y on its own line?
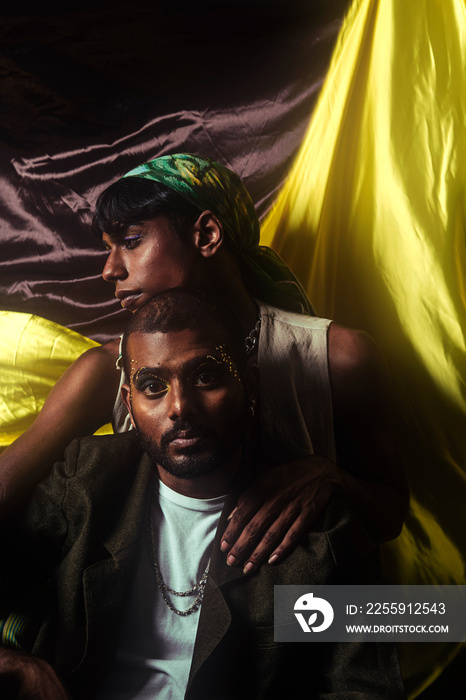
column 371, row 218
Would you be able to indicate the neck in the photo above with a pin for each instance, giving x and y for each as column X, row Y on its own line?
column 228, row 287
column 217, row 483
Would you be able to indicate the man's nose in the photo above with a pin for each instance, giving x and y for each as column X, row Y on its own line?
column 180, row 401
column 114, row 268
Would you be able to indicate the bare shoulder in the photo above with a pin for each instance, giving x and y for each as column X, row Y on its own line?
column 88, row 386
column 356, row 365
column 350, row 348
column 100, row 357
column 102, row 354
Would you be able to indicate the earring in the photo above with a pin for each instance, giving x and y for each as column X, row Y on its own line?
column 251, row 408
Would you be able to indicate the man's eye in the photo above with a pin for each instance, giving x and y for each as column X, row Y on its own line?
column 154, row 388
column 130, row 242
column 206, row 378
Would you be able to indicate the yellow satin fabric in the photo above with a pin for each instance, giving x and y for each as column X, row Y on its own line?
column 372, row 221
column 34, row 353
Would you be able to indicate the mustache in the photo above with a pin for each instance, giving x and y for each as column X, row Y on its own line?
column 188, row 429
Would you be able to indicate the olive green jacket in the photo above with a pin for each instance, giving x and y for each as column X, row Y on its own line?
column 73, row 554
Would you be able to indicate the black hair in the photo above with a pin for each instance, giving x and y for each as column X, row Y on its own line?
column 180, row 309
column 133, row 200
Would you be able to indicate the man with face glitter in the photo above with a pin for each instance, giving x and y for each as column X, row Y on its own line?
column 118, row 544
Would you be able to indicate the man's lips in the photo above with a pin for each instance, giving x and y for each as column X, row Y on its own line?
column 127, row 298
column 185, row 442
column 184, row 438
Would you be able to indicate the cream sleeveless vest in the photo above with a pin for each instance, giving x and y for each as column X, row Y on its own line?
column 295, row 396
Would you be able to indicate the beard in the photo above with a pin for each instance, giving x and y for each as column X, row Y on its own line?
column 192, row 461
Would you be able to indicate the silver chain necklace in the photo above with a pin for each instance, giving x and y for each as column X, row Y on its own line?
column 252, row 339
column 197, row 589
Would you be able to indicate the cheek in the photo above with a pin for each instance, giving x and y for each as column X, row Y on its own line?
column 229, row 411
column 147, row 267
column 160, row 271
column 148, row 416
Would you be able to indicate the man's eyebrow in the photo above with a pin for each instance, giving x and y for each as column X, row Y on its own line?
column 204, row 359
column 189, row 365
column 144, row 372
column 218, row 358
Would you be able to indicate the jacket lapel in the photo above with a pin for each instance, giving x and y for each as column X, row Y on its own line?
column 215, row 617
column 107, row 582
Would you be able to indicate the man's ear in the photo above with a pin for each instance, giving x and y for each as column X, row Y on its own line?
column 208, row 234
column 126, row 396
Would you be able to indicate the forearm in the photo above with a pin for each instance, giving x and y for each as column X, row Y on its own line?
column 22, row 465
column 381, row 507
column 79, row 404
column 372, row 475
column 29, row 459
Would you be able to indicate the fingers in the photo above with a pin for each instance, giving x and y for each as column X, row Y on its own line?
column 260, row 535
column 268, row 536
column 279, row 539
column 272, row 515
column 248, row 505
column 268, row 548
column 288, row 542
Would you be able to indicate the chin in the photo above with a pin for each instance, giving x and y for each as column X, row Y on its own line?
column 190, row 466
column 194, row 462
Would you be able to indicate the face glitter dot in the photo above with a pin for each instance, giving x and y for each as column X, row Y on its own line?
column 226, row 359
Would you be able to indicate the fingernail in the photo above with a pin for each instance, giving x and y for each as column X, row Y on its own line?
column 231, row 560
column 231, row 514
column 248, row 567
column 273, row 558
column 224, row 545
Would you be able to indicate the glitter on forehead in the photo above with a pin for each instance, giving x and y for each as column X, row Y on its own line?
column 226, row 359
column 133, row 367
column 133, row 370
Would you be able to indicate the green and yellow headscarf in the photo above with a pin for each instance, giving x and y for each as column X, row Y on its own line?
column 209, row 185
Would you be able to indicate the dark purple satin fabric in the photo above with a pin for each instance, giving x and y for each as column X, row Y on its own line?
column 89, row 93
